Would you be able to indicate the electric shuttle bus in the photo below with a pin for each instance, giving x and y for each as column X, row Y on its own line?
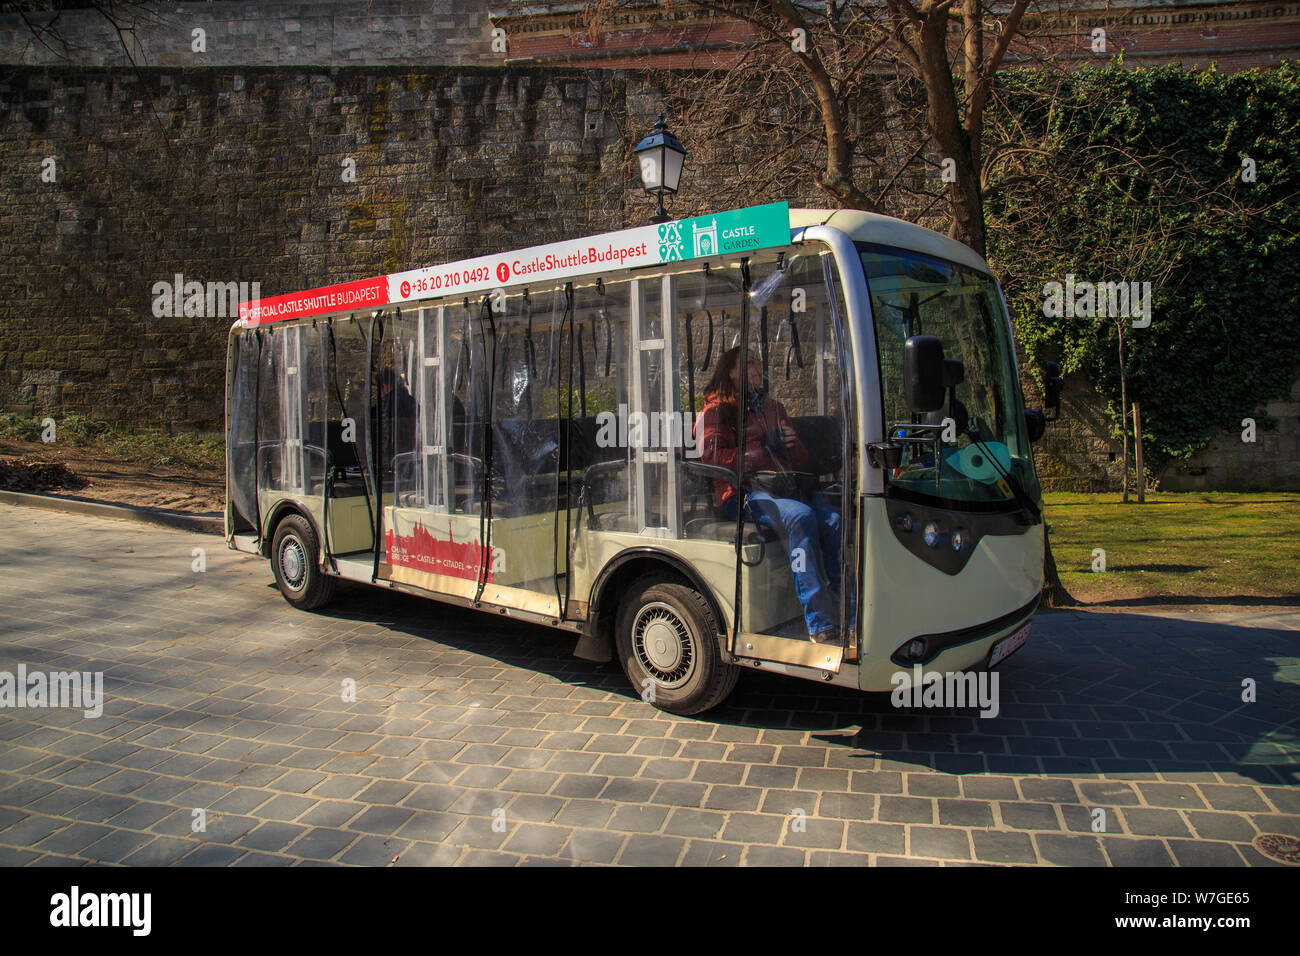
column 786, row 440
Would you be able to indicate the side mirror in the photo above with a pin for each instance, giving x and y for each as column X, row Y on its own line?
column 1052, row 383
column 954, row 372
column 1035, row 423
column 923, row 373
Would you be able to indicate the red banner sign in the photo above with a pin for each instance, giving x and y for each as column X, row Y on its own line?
column 362, row 294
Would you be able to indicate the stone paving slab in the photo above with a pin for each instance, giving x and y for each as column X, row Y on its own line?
column 226, row 738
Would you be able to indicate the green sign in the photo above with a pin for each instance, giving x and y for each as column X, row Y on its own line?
column 740, row 230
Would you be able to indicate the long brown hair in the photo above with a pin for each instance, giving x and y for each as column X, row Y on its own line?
column 721, row 387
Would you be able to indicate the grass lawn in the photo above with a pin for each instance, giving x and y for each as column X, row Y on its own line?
column 1216, row 547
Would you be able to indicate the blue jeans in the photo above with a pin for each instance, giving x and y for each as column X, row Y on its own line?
column 811, row 534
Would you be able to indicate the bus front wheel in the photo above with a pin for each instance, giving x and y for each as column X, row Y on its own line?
column 667, row 638
column 298, row 574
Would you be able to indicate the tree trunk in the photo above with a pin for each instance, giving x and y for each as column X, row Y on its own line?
column 1123, row 408
column 944, row 115
column 837, row 179
column 1054, row 592
column 1140, row 477
column 974, row 61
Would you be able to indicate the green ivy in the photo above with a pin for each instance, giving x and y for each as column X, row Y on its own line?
column 1225, row 332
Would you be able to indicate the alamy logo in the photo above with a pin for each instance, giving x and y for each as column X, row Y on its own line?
column 921, row 688
column 215, row 300
column 75, row 908
column 80, row 691
column 642, row 430
column 1115, row 300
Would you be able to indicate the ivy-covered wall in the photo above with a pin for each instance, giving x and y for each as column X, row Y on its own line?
column 1189, row 182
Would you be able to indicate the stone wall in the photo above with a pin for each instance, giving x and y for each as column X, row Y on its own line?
column 258, row 33
column 237, row 176
column 1078, row 453
column 1270, row 463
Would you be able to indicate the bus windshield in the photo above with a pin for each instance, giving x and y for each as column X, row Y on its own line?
column 983, row 457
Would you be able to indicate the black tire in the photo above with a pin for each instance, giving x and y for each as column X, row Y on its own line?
column 295, row 555
column 688, row 678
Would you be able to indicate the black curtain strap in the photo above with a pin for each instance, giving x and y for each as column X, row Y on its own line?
column 741, row 407
column 530, row 351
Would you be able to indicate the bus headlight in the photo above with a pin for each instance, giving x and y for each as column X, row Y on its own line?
column 911, row 652
column 931, row 534
column 904, row 522
column 959, row 540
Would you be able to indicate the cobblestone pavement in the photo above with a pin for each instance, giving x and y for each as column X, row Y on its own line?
column 478, row 741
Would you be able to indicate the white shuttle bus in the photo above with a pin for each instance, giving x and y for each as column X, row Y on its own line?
column 786, row 440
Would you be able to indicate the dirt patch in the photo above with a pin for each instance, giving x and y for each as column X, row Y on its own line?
column 142, row 484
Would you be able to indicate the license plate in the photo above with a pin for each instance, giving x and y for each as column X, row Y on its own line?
column 1008, row 646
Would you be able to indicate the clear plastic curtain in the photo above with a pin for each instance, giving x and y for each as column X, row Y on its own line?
column 241, row 447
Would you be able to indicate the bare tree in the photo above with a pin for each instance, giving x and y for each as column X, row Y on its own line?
column 842, row 57
column 837, row 56
column 44, row 20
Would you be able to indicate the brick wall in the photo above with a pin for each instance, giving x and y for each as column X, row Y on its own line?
column 1234, row 34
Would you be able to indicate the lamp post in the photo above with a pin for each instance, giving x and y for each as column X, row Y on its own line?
column 661, row 157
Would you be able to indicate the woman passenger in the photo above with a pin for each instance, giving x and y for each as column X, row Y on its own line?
column 805, row 521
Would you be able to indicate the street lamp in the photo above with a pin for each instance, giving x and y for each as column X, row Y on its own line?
column 661, row 157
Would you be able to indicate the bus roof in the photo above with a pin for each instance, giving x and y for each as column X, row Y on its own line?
column 887, row 231
column 722, row 233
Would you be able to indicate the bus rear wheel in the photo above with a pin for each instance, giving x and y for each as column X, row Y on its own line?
column 294, row 552
column 667, row 640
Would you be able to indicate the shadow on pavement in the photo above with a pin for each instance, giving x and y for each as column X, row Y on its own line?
column 1099, row 692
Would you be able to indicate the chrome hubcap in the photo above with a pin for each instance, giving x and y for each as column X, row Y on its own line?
column 293, row 563
column 662, row 643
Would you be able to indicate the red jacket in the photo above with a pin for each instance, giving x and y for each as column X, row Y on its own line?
column 715, row 435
